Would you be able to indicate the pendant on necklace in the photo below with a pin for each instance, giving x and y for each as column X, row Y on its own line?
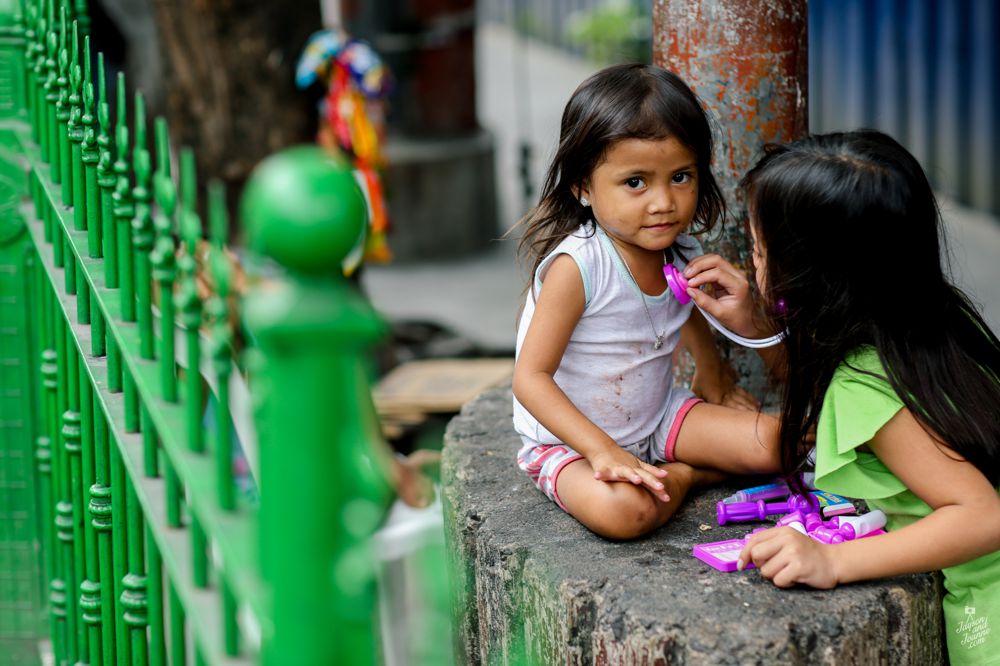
column 659, row 342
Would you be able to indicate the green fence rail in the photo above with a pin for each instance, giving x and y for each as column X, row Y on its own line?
column 123, row 539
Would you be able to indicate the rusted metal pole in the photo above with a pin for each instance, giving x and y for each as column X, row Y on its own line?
column 748, row 61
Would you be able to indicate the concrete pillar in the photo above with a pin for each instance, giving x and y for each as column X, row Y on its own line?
column 748, row 61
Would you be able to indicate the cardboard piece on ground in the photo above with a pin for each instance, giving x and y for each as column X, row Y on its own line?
column 438, row 385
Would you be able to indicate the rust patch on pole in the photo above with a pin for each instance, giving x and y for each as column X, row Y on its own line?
column 748, row 61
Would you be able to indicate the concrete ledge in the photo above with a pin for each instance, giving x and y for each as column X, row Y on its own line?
column 533, row 586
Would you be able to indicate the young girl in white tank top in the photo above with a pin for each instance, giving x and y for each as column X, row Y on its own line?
column 607, row 436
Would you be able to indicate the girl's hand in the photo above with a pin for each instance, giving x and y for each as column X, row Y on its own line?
column 616, row 464
column 739, row 398
column 787, row 557
column 732, row 302
column 412, row 484
column 720, row 388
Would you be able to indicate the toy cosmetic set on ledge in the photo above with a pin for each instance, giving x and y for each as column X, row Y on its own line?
column 803, row 513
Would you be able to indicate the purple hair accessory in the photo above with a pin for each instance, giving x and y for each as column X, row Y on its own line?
column 780, row 308
column 677, row 282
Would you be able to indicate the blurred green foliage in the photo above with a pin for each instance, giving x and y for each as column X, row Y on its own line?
column 617, row 31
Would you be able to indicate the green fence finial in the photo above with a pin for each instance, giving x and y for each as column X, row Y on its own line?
column 140, row 154
column 188, row 301
column 140, row 124
column 189, row 194
column 326, row 222
column 218, row 218
column 217, row 308
column 61, row 165
column 81, row 14
column 124, row 211
column 51, row 90
column 103, row 111
column 142, row 230
column 41, row 72
column 106, row 179
column 190, row 222
column 121, row 129
column 88, row 87
column 91, row 156
column 53, row 40
column 162, row 257
column 30, row 39
column 76, row 72
column 41, row 79
column 75, row 130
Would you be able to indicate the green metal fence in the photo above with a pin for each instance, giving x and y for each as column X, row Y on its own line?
column 122, row 538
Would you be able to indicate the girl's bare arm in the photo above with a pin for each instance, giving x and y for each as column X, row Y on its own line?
column 964, row 524
column 558, row 309
column 713, row 379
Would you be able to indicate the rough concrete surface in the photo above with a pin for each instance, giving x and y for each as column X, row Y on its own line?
column 533, row 586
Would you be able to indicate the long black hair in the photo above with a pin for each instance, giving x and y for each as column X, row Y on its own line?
column 631, row 101
column 851, row 236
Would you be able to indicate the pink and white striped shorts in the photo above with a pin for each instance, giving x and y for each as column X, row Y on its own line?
column 543, row 462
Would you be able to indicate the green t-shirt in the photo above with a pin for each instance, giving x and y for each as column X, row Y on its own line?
column 855, row 407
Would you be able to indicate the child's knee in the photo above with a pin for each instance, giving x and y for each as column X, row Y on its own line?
column 631, row 513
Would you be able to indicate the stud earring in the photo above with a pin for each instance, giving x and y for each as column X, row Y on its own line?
column 584, row 202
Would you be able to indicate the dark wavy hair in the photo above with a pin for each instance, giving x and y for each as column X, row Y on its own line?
column 631, row 101
column 852, row 240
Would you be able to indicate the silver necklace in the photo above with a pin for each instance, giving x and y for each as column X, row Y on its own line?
column 659, row 336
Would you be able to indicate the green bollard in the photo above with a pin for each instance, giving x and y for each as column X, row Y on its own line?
column 303, row 208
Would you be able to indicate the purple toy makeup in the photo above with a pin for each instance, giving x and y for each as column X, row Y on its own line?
column 721, row 554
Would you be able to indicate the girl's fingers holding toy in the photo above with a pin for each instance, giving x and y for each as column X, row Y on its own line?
column 723, row 279
column 703, row 263
column 807, row 562
column 736, row 312
column 775, row 570
column 787, row 557
column 759, row 548
column 711, row 268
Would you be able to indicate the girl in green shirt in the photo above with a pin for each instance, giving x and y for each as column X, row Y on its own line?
column 888, row 364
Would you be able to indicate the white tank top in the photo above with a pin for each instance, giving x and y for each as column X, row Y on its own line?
column 610, row 370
